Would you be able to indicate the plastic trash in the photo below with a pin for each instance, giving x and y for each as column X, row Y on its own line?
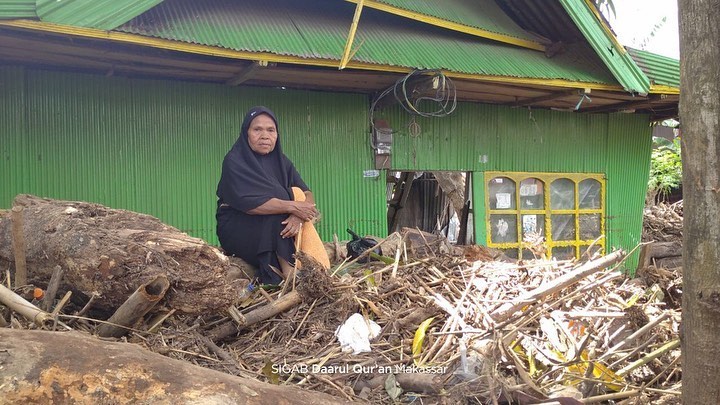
column 359, row 245
column 356, row 332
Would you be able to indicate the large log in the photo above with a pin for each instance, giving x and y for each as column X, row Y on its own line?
column 62, row 368
column 110, row 252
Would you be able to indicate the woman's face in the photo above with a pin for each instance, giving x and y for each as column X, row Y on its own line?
column 262, row 134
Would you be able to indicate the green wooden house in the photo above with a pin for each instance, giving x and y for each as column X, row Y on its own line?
column 133, row 104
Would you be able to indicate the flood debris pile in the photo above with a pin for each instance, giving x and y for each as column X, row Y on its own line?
column 425, row 322
column 663, row 222
column 454, row 330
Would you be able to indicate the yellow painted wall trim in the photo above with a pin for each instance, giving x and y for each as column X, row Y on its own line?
column 547, row 211
column 439, row 22
column 160, row 43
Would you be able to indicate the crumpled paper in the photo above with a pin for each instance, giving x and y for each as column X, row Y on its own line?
column 356, row 332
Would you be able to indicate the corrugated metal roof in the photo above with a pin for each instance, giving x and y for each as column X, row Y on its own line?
column 17, row 9
column 603, row 41
column 319, row 30
column 101, row 14
column 547, row 19
column 482, row 14
column 660, row 69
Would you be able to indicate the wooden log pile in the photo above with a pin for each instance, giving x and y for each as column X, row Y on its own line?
column 455, row 326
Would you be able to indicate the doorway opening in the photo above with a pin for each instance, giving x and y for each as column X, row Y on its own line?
column 437, row 202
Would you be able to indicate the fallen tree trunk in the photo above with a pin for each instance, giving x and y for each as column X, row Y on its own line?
column 110, row 252
column 54, row 367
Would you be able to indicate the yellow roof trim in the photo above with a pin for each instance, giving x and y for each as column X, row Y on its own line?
column 160, row 43
column 620, row 48
column 439, row 22
column 537, row 82
column 663, row 89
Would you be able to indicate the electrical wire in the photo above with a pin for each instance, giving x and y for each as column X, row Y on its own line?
column 444, row 94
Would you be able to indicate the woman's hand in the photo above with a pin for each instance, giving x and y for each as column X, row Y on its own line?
column 306, row 211
column 293, row 224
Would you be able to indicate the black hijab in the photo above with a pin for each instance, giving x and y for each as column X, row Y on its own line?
column 249, row 179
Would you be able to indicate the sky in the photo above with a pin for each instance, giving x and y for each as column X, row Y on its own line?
column 634, row 22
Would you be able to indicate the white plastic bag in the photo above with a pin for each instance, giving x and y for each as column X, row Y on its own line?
column 356, row 332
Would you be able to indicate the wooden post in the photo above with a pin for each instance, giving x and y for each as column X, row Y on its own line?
column 136, row 306
column 18, row 241
column 52, row 289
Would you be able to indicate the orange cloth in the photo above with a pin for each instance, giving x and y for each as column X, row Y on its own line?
column 309, row 239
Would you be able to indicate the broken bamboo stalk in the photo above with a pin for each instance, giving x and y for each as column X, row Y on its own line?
column 650, row 357
column 135, row 307
column 18, row 242
column 634, row 335
column 607, row 397
column 22, row 307
column 267, row 311
column 506, row 310
column 52, row 288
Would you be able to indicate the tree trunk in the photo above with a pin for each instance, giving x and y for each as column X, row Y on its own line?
column 60, row 368
column 453, row 185
column 111, row 252
column 700, row 117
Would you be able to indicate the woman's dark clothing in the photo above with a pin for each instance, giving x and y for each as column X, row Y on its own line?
column 249, row 180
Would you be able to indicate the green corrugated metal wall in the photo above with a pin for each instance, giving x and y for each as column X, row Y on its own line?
column 497, row 138
column 157, row 146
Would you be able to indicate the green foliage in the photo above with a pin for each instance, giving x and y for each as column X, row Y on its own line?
column 665, row 166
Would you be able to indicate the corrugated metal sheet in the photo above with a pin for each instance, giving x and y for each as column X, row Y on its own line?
column 157, row 146
column 319, row 30
column 660, row 69
column 482, row 14
column 483, row 138
column 17, row 9
column 619, row 62
column 101, row 14
column 545, row 18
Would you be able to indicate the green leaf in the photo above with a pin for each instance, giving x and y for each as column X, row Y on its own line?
column 273, row 377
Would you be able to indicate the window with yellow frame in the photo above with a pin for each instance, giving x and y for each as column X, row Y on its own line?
column 566, row 209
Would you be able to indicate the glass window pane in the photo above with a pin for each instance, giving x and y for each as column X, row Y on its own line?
column 503, row 229
column 589, row 226
column 563, row 253
column 562, row 194
column 533, row 225
column 589, row 190
column 563, row 227
column 529, row 255
column 511, row 253
column 596, row 249
column 532, row 194
column 501, row 192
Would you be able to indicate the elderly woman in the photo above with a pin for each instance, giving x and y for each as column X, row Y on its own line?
column 257, row 216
